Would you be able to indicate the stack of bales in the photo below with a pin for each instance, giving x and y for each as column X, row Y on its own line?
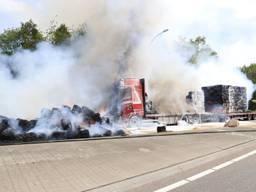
column 225, row 99
column 196, row 100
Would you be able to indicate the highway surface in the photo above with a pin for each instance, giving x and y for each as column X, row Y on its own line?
column 240, row 176
column 237, row 174
column 130, row 164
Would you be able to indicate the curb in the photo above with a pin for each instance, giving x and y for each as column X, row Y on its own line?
column 168, row 133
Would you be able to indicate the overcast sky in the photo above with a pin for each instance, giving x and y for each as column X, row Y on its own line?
column 228, row 25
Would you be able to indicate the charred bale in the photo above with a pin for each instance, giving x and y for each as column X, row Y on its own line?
column 19, row 137
column 96, row 135
column 3, row 125
column 225, row 99
column 28, row 137
column 88, row 114
column 65, row 124
column 76, row 109
column 84, row 133
column 32, row 123
column 119, row 132
column 26, row 125
column 97, row 118
column 58, row 135
column 8, row 134
column 42, row 137
column 23, row 124
column 107, row 133
column 72, row 134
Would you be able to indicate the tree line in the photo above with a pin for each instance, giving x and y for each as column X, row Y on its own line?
column 28, row 35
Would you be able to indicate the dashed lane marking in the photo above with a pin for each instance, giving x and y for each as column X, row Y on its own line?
column 204, row 173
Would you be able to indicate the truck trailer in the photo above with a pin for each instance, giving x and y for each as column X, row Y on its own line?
column 134, row 105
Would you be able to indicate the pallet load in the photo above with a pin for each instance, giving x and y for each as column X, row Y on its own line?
column 225, row 99
column 195, row 99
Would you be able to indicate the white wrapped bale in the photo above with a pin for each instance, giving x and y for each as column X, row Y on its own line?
column 196, row 100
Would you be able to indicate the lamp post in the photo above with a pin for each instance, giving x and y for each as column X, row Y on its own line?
column 157, row 35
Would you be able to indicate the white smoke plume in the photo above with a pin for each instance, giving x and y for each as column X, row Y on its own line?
column 117, row 44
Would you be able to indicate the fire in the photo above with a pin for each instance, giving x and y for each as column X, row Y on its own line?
column 103, row 110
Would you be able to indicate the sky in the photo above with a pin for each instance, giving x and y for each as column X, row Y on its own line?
column 229, row 26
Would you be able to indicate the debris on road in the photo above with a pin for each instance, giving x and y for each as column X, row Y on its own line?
column 232, row 123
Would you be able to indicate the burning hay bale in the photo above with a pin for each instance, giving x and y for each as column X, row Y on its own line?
column 57, row 123
column 225, row 99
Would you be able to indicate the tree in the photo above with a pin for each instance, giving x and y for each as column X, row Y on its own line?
column 250, row 72
column 9, row 41
column 59, row 35
column 26, row 37
column 201, row 50
column 252, row 102
column 30, row 36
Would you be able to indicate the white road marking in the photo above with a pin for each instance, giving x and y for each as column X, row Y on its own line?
column 204, row 173
column 199, row 175
column 223, row 165
column 173, row 186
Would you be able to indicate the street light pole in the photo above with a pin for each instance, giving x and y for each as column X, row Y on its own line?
column 157, row 35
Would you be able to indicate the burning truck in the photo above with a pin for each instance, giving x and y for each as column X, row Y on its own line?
column 131, row 103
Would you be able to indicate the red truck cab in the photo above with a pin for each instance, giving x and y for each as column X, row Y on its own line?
column 132, row 96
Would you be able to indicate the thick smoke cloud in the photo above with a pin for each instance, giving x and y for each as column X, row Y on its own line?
column 42, row 78
column 118, row 44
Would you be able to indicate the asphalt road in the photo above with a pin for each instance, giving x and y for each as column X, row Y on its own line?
column 235, row 173
column 240, row 176
column 135, row 164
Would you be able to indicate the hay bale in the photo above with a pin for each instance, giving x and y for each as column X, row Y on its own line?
column 232, row 123
column 58, row 135
column 195, row 99
column 107, row 133
column 3, row 125
column 26, row 125
column 8, row 134
column 84, row 133
column 225, row 99
column 76, row 109
column 28, row 137
column 119, row 132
